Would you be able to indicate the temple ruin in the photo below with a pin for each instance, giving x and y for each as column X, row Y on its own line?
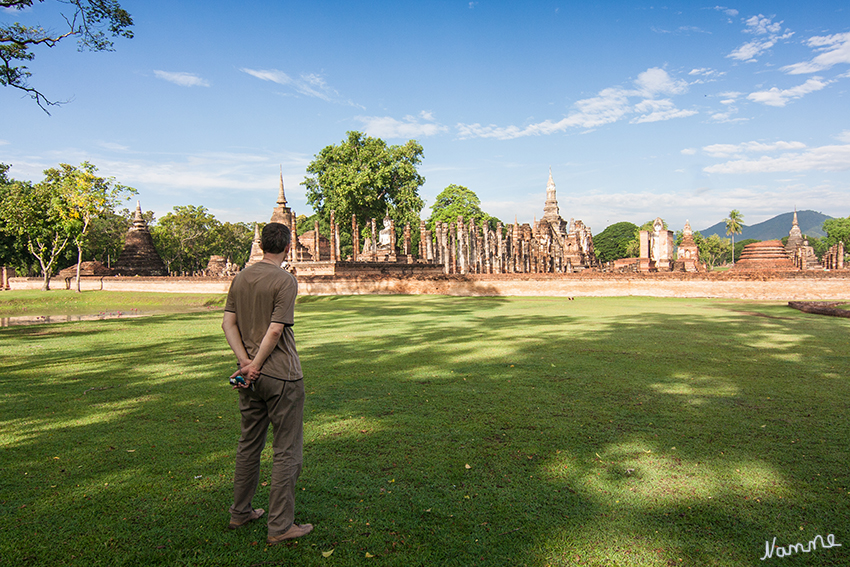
column 139, row 256
column 550, row 245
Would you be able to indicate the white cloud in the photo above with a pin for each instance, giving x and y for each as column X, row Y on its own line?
column 182, row 79
column 610, row 105
column 835, row 49
column 409, row 127
column 750, row 50
column 4, row 142
column 731, row 12
column 272, row 75
column 658, row 110
column 656, row 81
column 689, row 151
column 777, row 97
column 708, row 74
column 759, row 26
column 308, row 84
column 844, row 136
column 824, row 158
column 728, row 150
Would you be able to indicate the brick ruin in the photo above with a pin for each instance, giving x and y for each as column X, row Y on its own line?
column 139, row 256
column 550, row 245
column 797, row 254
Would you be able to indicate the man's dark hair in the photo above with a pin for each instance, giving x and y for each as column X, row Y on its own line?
column 276, row 237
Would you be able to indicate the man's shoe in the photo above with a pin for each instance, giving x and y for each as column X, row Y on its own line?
column 295, row 531
column 255, row 513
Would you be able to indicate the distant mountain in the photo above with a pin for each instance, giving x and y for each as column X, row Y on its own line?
column 811, row 224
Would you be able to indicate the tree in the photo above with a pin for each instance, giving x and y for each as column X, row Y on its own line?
column 34, row 214
column 84, row 197
column 365, row 177
column 89, row 21
column 185, row 237
column 12, row 253
column 713, row 250
column 233, row 241
column 457, row 201
column 613, row 242
column 837, row 230
column 734, row 225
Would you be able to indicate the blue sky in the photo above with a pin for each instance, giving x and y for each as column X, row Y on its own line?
column 682, row 110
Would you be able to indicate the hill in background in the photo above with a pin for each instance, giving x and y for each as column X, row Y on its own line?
column 811, row 224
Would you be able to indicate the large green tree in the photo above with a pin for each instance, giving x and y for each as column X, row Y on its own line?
column 91, row 22
column 184, row 238
column 837, row 230
column 364, row 177
column 613, row 242
column 457, row 201
column 232, row 241
column 713, row 250
column 84, row 197
column 734, row 225
column 36, row 216
column 13, row 251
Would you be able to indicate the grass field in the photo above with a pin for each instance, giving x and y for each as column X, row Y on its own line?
column 438, row 431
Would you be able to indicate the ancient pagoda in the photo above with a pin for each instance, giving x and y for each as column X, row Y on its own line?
column 139, row 256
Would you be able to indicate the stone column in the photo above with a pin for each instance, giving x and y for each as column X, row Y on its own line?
column 373, row 252
column 499, row 252
column 355, row 239
column 423, row 241
column 485, row 230
column 407, row 243
column 333, row 246
column 336, row 240
column 461, row 246
column 317, row 256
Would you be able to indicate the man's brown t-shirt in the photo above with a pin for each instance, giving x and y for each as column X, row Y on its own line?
column 259, row 295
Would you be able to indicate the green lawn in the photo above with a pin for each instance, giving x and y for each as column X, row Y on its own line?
column 438, row 431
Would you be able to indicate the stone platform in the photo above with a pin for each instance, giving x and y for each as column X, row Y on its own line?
column 773, row 285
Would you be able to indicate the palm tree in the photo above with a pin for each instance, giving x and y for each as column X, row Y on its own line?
column 734, row 225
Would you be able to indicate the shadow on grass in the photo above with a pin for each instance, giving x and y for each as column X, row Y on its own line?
column 443, row 431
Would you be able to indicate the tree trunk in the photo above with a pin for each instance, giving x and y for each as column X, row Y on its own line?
column 79, row 261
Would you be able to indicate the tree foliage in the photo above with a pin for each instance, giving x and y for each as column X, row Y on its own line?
column 188, row 236
column 734, row 225
column 613, row 242
column 92, row 22
column 457, row 201
column 56, row 213
column 713, row 250
column 85, row 197
column 364, row 177
column 837, row 230
column 33, row 215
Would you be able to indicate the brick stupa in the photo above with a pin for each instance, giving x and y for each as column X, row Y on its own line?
column 139, row 257
column 769, row 255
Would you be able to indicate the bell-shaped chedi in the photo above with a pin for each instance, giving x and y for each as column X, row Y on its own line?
column 769, row 255
column 139, row 257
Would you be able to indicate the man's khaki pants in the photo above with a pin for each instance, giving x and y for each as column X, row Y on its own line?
column 280, row 404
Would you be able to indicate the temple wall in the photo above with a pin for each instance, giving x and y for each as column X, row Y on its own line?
column 786, row 286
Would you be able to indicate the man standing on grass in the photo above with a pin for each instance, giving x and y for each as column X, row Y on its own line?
column 258, row 319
